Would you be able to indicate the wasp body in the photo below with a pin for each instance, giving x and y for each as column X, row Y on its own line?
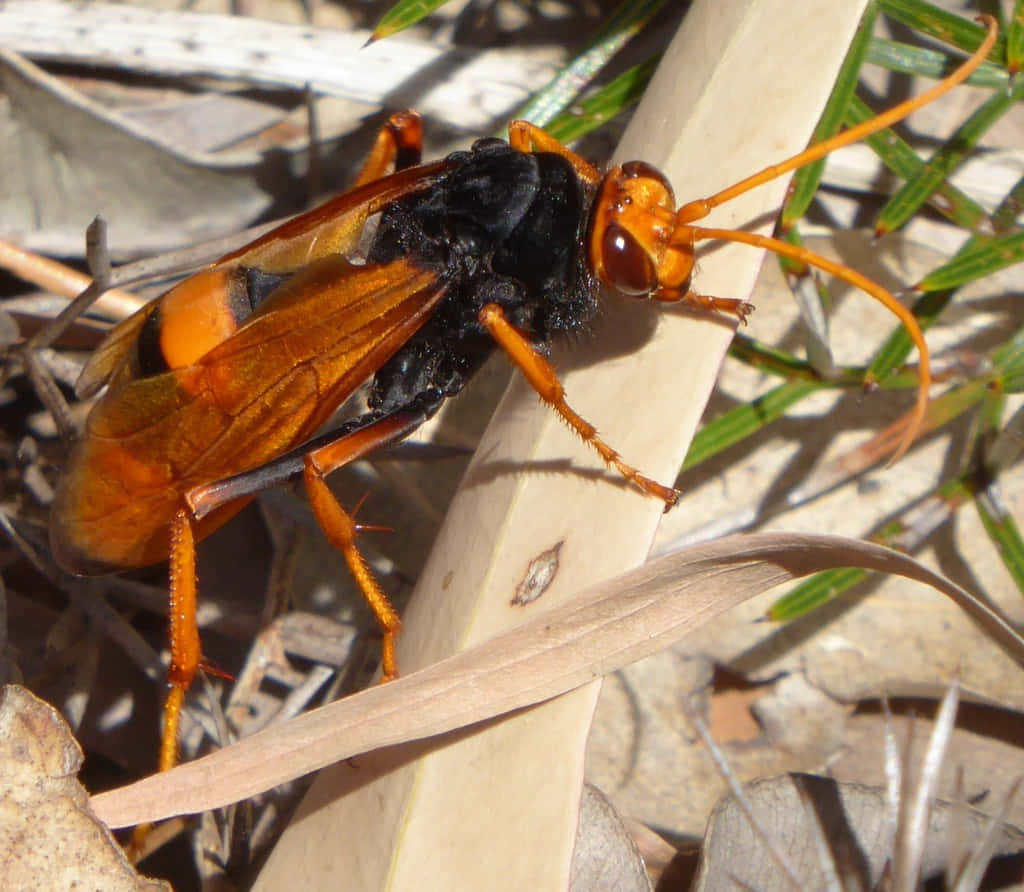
column 217, row 389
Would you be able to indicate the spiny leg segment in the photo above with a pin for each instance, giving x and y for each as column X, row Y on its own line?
column 543, row 379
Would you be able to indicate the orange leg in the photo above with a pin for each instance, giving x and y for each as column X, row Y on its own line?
column 526, row 137
column 340, row 527
column 730, row 306
column 543, row 378
column 185, row 655
column 184, row 633
column 399, row 145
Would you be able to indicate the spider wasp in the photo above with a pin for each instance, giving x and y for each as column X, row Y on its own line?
column 216, row 390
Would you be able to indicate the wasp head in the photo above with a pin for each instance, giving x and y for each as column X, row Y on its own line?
column 634, row 241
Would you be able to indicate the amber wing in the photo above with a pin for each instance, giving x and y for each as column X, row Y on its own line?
column 264, row 390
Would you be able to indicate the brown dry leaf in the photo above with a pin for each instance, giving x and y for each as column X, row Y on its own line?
column 66, row 158
column 207, row 122
column 605, row 858
column 597, row 631
column 49, row 837
column 849, row 819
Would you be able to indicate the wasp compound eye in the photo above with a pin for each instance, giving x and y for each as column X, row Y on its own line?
column 627, row 266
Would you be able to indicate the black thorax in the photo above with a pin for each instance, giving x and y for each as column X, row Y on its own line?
column 504, row 227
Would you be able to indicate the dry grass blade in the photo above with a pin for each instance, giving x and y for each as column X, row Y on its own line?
column 974, row 869
column 893, row 778
column 916, row 802
column 170, row 42
column 61, row 279
column 596, row 632
column 762, row 830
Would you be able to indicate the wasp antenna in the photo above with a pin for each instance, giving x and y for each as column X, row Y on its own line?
column 697, row 210
column 860, row 281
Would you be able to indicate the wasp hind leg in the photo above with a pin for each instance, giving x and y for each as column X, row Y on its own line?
column 340, row 528
column 186, row 654
column 339, row 525
column 186, row 658
column 353, row 441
